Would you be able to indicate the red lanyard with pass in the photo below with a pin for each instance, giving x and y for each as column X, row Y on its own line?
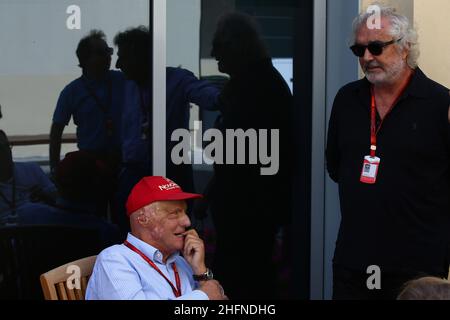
column 176, row 290
column 373, row 116
column 371, row 163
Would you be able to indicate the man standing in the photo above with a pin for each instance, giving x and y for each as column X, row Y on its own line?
column 94, row 101
column 148, row 265
column 389, row 151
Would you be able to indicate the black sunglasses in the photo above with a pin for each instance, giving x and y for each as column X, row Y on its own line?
column 375, row 47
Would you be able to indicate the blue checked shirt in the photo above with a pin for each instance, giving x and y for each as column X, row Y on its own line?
column 122, row 274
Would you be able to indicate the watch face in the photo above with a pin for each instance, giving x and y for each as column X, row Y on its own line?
column 208, row 275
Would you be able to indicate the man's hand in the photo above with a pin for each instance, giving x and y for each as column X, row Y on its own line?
column 194, row 251
column 213, row 290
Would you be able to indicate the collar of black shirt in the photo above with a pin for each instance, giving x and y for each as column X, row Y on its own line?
column 418, row 87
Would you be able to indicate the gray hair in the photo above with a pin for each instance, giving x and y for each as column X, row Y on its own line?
column 426, row 288
column 400, row 28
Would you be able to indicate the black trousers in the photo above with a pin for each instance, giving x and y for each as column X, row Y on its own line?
column 243, row 260
column 352, row 285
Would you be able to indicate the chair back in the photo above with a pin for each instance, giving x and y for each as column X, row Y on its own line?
column 68, row 282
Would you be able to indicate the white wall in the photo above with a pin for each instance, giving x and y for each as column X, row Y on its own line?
column 432, row 20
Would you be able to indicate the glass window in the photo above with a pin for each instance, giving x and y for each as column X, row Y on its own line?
column 39, row 39
column 229, row 70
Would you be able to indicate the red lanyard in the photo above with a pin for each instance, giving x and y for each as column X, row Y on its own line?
column 373, row 126
column 177, row 290
column 373, row 119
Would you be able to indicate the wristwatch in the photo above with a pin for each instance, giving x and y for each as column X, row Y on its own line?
column 208, row 275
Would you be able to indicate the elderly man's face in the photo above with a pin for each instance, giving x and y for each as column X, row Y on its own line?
column 385, row 68
column 168, row 224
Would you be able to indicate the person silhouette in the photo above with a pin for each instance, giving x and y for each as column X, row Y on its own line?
column 133, row 58
column 94, row 101
column 183, row 88
column 248, row 208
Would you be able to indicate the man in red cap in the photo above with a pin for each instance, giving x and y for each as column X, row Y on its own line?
column 148, row 265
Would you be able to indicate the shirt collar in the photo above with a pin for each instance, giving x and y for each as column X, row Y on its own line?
column 151, row 252
column 93, row 81
column 418, row 87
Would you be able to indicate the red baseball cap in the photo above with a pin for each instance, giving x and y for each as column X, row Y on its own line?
column 152, row 189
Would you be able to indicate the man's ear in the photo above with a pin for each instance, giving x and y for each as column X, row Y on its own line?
column 406, row 51
column 143, row 218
